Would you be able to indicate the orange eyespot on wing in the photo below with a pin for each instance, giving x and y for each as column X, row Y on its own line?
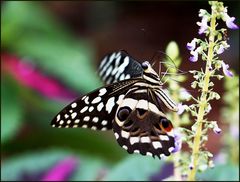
column 166, row 125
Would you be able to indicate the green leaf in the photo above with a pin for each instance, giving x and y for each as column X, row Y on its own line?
column 70, row 63
column 101, row 144
column 89, row 170
column 22, row 18
column 221, row 172
column 134, row 167
column 11, row 110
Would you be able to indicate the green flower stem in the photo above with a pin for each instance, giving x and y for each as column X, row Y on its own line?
column 203, row 101
column 177, row 157
column 176, row 119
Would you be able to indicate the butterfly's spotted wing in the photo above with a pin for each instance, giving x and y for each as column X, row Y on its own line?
column 142, row 127
column 132, row 107
column 95, row 110
column 119, row 66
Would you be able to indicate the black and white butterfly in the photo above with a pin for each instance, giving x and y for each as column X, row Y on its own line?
column 130, row 104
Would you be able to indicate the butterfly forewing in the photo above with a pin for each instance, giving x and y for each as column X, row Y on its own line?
column 119, row 66
column 95, row 110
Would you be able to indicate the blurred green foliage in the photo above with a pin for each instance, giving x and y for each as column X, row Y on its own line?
column 221, row 172
column 31, row 32
column 11, row 109
column 15, row 168
column 134, row 168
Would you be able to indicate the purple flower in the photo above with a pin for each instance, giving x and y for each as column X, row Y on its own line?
column 194, row 56
column 203, row 25
column 191, row 45
column 184, row 95
column 220, row 49
column 230, row 22
column 178, row 141
column 217, row 130
column 191, row 166
column 225, row 70
column 181, row 108
column 61, row 170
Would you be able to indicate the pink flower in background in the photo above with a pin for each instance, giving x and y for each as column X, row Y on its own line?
column 62, row 170
column 29, row 76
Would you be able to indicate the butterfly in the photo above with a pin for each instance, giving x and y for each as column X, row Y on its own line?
column 130, row 104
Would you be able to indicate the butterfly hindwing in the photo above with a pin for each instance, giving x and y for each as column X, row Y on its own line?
column 119, row 66
column 141, row 127
column 95, row 110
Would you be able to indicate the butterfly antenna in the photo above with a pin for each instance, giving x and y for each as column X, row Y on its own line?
column 159, row 69
column 176, row 74
column 164, row 76
column 155, row 54
column 174, row 80
column 170, row 65
column 168, row 57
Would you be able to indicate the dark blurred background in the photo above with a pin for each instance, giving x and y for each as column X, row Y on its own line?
column 112, row 26
column 60, row 45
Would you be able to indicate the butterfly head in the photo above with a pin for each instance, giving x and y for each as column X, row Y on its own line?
column 146, row 66
column 149, row 74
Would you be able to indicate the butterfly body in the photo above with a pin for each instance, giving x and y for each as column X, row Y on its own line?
column 131, row 105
